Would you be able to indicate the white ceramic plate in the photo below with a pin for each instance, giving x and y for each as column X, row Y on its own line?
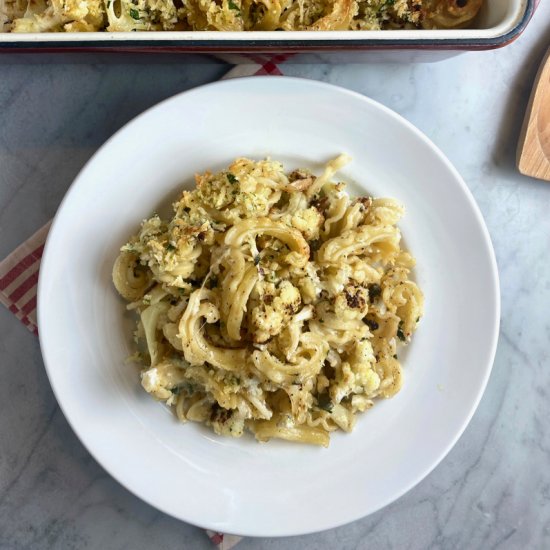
column 237, row 485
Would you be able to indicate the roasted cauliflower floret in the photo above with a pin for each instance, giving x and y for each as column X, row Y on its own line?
column 208, row 15
column 356, row 375
column 216, row 190
column 57, row 15
column 141, row 15
column 126, row 18
column 269, row 317
column 160, row 380
column 227, row 422
column 352, row 302
column 310, row 284
column 173, row 251
column 308, row 222
column 301, row 400
column 247, row 189
column 44, row 22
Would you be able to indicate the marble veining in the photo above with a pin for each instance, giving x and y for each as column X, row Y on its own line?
column 493, row 489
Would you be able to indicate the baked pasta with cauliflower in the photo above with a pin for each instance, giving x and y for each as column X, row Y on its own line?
column 232, row 15
column 271, row 301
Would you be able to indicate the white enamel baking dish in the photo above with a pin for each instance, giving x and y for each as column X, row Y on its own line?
column 499, row 23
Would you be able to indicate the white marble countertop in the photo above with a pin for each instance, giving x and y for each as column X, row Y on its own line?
column 492, row 490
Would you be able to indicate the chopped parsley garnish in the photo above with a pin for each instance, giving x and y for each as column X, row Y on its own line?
column 315, row 244
column 134, row 14
column 400, row 333
column 257, row 259
column 176, row 390
column 189, row 388
column 230, row 177
column 170, row 247
column 324, row 402
column 233, row 380
column 373, row 325
column 374, row 291
column 233, row 6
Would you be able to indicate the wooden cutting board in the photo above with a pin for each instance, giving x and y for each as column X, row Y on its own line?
column 533, row 158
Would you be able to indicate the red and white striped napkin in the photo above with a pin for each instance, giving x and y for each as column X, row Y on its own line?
column 19, row 278
column 19, row 271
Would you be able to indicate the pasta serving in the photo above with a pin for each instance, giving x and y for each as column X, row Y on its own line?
column 271, row 302
column 232, row 15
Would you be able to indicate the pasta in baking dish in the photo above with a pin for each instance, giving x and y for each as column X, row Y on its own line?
column 271, row 301
column 232, row 15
